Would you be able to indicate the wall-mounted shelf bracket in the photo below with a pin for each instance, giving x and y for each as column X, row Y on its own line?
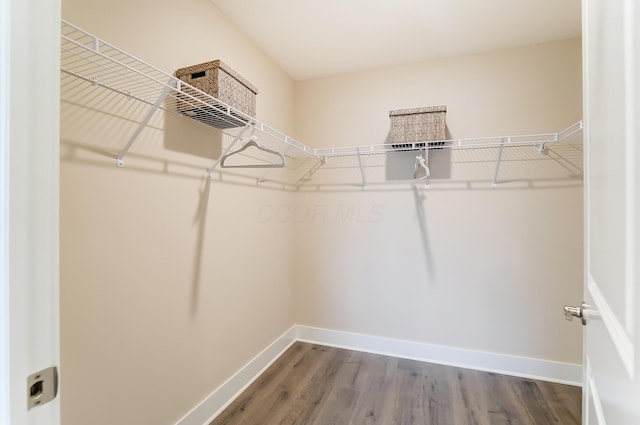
column 495, row 174
column 143, row 124
column 364, row 181
column 309, row 174
column 542, row 149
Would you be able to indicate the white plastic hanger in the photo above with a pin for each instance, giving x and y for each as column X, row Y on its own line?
column 252, row 142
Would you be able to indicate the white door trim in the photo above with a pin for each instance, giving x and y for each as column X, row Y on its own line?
column 630, row 166
column 5, row 395
column 31, row 205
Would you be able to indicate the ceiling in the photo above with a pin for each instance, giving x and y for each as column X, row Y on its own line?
column 317, row 38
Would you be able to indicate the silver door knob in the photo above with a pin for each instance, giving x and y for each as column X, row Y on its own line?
column 570, row 312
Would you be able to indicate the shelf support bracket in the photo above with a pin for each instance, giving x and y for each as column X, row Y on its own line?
column 542, row 149
column 142, row 125
column 364, row 181
column 495, row 174
column 309, row 174
column 227, row 150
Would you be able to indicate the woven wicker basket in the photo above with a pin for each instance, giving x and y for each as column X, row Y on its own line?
column 417, row 125
column 220, row 81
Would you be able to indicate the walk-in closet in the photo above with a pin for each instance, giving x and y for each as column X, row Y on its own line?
column 338, row 212
column 199, row 241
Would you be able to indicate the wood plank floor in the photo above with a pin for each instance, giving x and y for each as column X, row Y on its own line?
column 317, row 385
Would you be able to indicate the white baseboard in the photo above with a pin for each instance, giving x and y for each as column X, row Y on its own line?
column 564, row 373
column 213, row 405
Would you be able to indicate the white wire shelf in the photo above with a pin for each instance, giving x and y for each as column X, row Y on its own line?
column 540, row 140
column 87, row 58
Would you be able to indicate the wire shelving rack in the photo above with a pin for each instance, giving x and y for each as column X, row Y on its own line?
column 88, row 58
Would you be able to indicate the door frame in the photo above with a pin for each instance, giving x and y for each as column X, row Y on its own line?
column 29, row 203
column 5, row 418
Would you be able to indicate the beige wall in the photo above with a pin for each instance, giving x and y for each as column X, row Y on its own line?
column 493, row 267
column 167, row 288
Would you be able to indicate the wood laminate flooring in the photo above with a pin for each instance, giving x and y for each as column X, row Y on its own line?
column 317, row 385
